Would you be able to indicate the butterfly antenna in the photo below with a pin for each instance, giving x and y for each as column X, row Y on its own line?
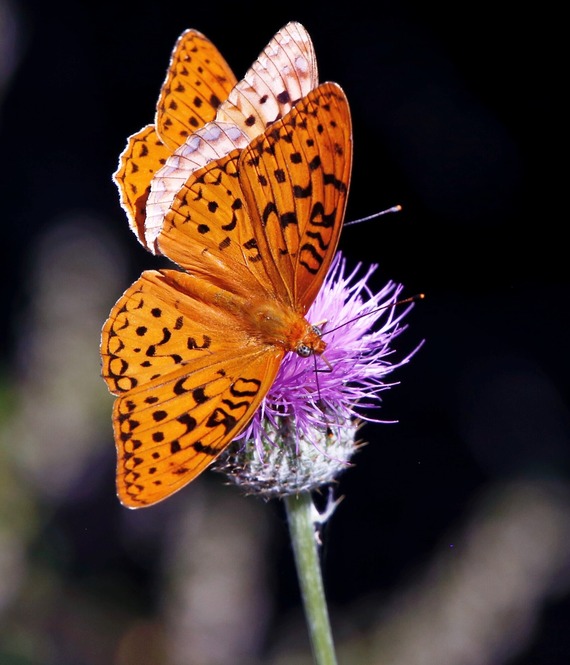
column 396, row 208
column 404, row 301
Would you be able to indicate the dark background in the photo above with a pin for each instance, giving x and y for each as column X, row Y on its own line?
column 457, row 117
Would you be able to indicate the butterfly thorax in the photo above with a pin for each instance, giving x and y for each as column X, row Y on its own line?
column 283, row 326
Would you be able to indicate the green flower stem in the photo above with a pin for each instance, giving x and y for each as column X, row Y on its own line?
column 299, row 513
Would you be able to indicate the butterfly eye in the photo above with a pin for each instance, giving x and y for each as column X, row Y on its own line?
column 306, row 350
column 303, row 350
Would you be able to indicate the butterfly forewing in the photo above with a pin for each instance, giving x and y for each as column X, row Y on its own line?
column 197, row 82
column 198, row 79
column 283, row 73
column 149, row 332
column 295, row 180
column 189, row 379
column 208, row 231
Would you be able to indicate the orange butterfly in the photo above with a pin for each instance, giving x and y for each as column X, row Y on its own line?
column 199, row 88
column 192, row 354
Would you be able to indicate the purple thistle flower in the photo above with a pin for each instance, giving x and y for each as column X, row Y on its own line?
column 303, row 434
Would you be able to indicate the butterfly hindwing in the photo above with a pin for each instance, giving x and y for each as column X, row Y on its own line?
column 165, row 442
column 168, row 432
column 188, row 379
column 142, row 157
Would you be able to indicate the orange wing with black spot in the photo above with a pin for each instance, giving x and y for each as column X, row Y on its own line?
column 200, row 87
column 197, row 81
column 190, row 355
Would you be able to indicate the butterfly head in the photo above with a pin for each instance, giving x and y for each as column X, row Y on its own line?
column 282, row 326
column 311, row 342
